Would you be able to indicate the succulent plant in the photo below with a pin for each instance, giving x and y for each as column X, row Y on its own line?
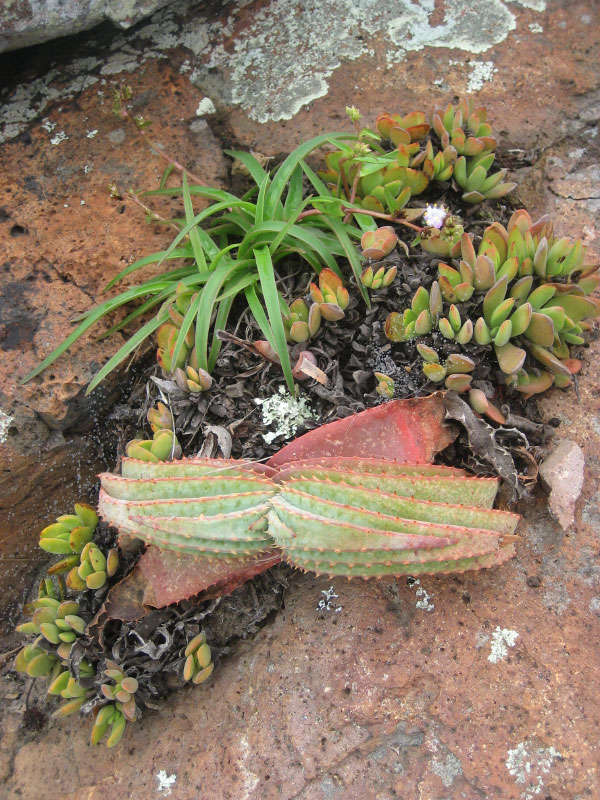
column 465, row 128
column 198, row 660
column 385, row 385
column 56, row 622
column 464, row 131
column 111, row 717
column 303, row 321
column 361, row 517
column 532, row 292
column 122, row 690
column 472, row 176
column 400, row 129
column 94, row 568
column 162, row 446
column 71, row 532
column 375, row 180
column 330, row 295
column 443, row 240
column 379, row 243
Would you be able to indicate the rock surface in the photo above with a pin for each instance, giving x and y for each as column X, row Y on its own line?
column 466, row 687
column 33, row 21
column 562, row 472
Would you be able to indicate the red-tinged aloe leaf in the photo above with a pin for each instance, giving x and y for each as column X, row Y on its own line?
column 410, row 431
column 162, row 577
column 377, row 465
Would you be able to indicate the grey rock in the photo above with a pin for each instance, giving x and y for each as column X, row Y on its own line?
column 27, row 22
column 562, row 473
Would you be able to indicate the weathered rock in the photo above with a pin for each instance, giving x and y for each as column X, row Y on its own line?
column 562, row 473
column 63, row 238
column 472, row 686
column 26, row 23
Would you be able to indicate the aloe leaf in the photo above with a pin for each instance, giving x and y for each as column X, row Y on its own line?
column 189, row 467
column 271, row 296
column 313, row 532
column 376, row 465
column 231, row 482
column 407, row 507
column 376, row 520
column 441, row 488
column 376, row 570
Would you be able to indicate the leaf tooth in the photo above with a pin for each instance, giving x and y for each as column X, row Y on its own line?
column 376, row 465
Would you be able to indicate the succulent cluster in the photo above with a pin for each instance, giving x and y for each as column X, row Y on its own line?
column 60, row 616
column 162, row 446
column 343, row 516
column 329, row 299
column 460, row 147
column 198, row 660
column 523, row 293
column 465, row 131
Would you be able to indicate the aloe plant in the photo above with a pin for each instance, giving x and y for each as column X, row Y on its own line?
column 337, row 516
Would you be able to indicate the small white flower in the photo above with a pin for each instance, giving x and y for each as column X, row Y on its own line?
column 435, row 216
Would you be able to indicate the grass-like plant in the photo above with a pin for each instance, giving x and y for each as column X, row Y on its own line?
column 231, row 249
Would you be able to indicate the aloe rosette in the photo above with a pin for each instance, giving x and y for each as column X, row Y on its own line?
column 344, row 516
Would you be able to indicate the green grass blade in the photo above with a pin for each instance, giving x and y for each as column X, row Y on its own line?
column 139, row 311
column 220, row 324
column 284, row 173
column 186, row 324
column 205, row 309
column 271, row 296
column 254, row 168
column 259, row 315
column 294, row 194
column 259, row 214
column 129, row 346
column 237, row 286
column 314, row 180
column 154, row 258
column 292, row 217
column 165, row 176
column 209, row 246
column 94, row 315
column 189, row 216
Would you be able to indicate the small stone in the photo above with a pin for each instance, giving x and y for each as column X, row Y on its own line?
column 533, row 581
column 562, row 474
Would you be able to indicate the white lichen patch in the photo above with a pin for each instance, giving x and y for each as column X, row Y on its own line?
column 327, row 602
column 285, row 412
column 424, row 602
column 91, row 134
column 535, row 27
column 165, row 782
column 447, row 769
column 48, row 125
column 59, row 137
column 529, row 765
column 502, row 639
column 5, row 422
column 282, row 59
column 482, row 72
column 205, row 106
